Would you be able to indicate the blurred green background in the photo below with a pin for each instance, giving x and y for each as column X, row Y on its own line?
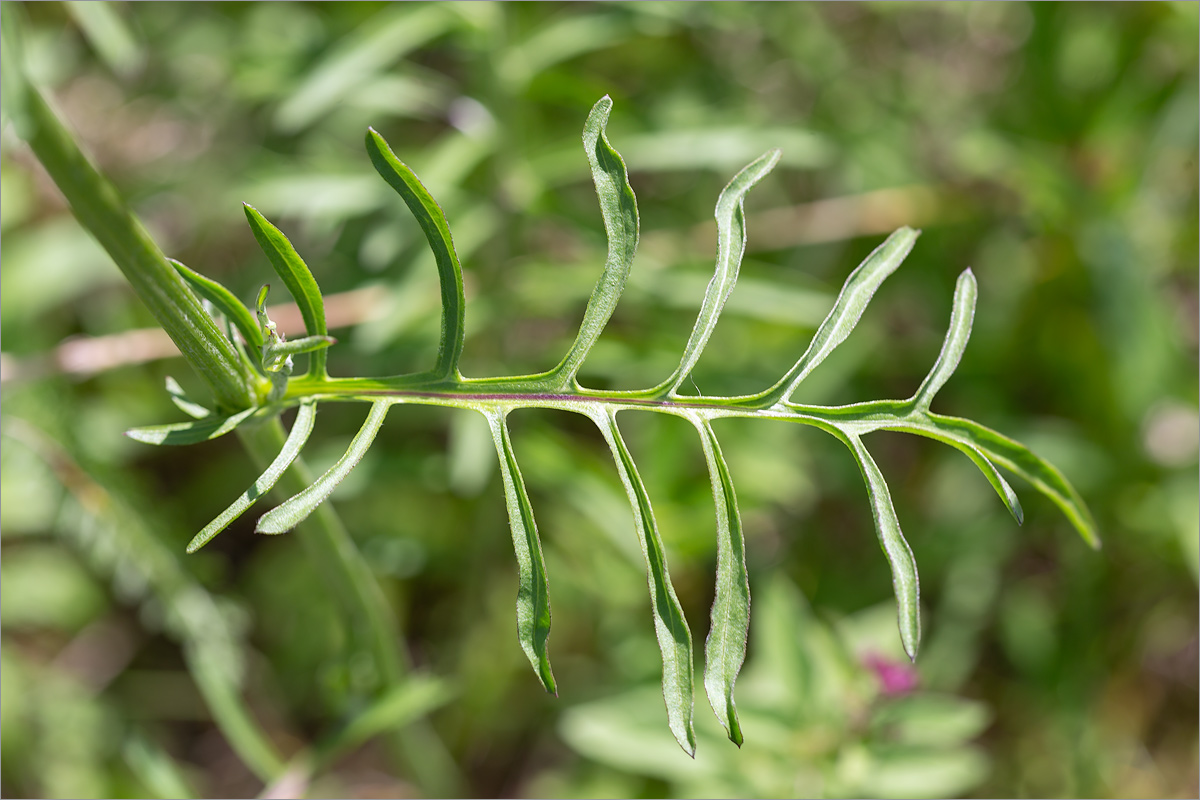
column 1051, row 147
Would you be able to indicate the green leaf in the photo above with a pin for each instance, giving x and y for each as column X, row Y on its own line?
column 183, row 402
column 731, row 244
column 961, row 317
column 296, row 509
column 725, row 648
column 225, row 301
column 1014, row 457
column 433, row 223
column 670, row 626
column 295, row 347
column 993, row 477
column 190, row 432
column 533, row 593
column 291, row 448
column 298, row 279
column 856, row 293
column 899, row 556
column 618, row 206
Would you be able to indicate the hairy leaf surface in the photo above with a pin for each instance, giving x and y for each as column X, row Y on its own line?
column 670, row 626
column 533, row 594
column 618, row 206
column 292, row 512
column 725, row 648
column 296, row 439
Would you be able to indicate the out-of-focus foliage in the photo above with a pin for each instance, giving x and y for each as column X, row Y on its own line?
column 1050, row 147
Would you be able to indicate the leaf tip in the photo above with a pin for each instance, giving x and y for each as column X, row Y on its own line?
column 268, row 526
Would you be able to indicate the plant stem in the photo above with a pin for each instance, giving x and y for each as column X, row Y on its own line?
column 98, row 206
column 354, row 585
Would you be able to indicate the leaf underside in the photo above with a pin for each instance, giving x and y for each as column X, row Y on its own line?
column 725, row 646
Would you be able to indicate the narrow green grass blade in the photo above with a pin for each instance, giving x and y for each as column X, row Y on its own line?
column 412, row 699
column 201, row 430
column 224, row 300
column 533, row 592
column 961, row 317
column 433, row 223
column 296, row 509
column 298, row 279
column 1017, row 458
column 184, row 403
column 670, row 626
column 731, row 244
column 899, row 556
column 296, row 439
column 108, row 34
column 618, row 206
column 856, row 293
column 725, row 648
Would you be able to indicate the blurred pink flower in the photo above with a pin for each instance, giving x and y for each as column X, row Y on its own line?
column 895, row 677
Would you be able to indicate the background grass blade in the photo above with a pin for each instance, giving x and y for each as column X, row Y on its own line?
column 856, row 293
column 297, row 277
column 298, row 436
column 725, row 648
column 190, row 432
column 533, row 593
column 670, row 626
column 224, row 300
column 184, row 403
column 411, row 700
column 957, row 334
column 731, row 244
column 1019, row 459
column 292, row 512
column 433, row 223
column 899, row 555
column 618, row 206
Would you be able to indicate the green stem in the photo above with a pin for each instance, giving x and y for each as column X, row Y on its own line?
column 351, row 581
column 229, row 712
column 98, row 206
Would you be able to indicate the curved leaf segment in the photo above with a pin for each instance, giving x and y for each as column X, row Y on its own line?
column 558, row 388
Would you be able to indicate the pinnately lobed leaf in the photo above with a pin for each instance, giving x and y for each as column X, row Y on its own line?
column 201, row 430
column 184, row 403
column 856, row 293
column 296, row 439
column 731, row 244
column 725, row 646
column 295, row 510
column 670, row 626
column 899, row 555
column 961, row 317
column 618, row 206
column 433, row 223
column 296, row 276
column 533, row 593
